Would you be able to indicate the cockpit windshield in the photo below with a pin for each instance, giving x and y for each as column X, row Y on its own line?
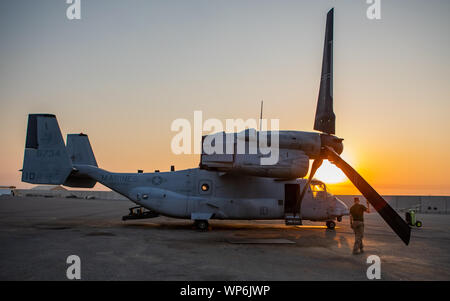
column 318, row 188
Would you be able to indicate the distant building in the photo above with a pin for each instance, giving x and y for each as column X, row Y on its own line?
column 7, row 190
column 49, row 188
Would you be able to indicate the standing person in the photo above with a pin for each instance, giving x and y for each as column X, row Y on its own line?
column 357, row 224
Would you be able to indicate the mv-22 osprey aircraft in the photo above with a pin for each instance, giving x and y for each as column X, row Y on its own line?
column 224, row 186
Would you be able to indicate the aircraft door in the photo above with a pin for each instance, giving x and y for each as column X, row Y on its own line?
column 291, row 194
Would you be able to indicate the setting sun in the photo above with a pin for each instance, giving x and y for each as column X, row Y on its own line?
column 330, row 173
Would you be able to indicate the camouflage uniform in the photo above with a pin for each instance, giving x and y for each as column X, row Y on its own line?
column 357, row 212
column 358, row 228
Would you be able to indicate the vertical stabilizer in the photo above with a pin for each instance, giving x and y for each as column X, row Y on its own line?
column 46, row 160
column 80, row 153
column 80, row 150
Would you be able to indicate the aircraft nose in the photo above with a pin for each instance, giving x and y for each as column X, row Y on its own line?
column 340, row 208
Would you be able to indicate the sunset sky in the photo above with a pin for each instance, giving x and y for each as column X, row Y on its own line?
column 127, row 69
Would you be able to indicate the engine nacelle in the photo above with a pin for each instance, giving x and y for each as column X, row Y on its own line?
column 244, row 153
column 291, row 164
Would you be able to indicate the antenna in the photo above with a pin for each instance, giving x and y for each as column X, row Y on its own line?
column 260, row 116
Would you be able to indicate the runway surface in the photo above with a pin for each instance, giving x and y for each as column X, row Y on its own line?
column 38, row 234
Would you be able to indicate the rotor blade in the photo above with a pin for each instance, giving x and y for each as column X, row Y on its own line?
column 325, row 119
column 316, row 164
column 391, row 217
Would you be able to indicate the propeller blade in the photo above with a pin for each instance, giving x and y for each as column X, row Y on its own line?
column 325, row 119
column 316, row 164
column 391, row 217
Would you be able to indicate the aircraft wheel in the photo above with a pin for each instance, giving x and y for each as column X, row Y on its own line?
column 331, row 225
column 202, row 225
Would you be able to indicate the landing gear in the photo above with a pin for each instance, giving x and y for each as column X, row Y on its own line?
column 139, row 212
column 201, row 225
column 331, row 225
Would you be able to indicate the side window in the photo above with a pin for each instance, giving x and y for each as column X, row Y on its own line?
column 205, row 187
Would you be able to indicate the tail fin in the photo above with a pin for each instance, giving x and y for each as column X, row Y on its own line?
column 80, row 152
column 46, row 160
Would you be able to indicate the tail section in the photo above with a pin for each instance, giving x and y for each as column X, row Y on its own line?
column 80, row 152
column 46, row 160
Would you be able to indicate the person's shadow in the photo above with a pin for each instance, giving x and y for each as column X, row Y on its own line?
column 340, row 241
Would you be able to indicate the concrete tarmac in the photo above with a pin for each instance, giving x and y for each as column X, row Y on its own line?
column 38, row 234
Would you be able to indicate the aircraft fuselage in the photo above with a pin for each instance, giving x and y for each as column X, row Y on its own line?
column 202, row 194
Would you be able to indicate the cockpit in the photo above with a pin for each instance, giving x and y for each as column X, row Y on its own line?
column 318, row 189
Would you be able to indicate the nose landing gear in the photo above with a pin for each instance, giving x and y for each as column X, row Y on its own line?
column 331, row 225
column 201, row 225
